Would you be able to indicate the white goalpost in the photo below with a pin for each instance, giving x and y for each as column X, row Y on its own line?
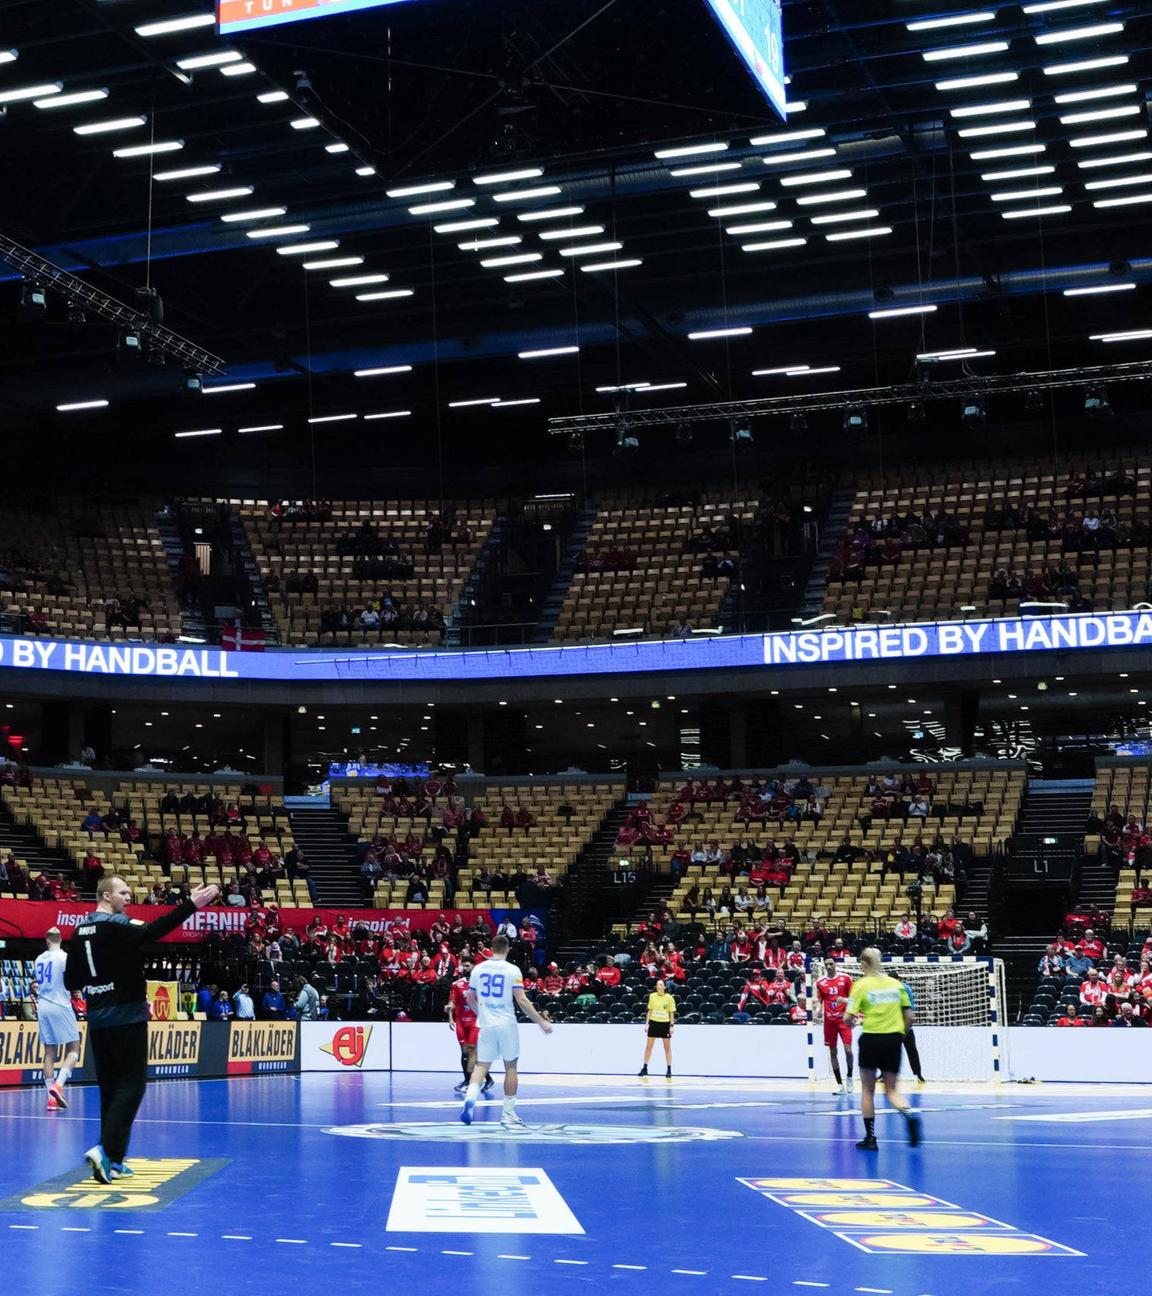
column 959, row 1016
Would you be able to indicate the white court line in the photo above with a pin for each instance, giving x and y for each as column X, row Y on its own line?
column 512, row 1257
column 588, row 1100
column 235, row 1237
column 570, row 1262
column 749, row 1278
column 462, row 1253
column 73, row 1228
column 692, row 1273
column 137, row 1232
column 293, row 1241
column 398, row 1248
column 183, row 1234
column 802, row 1282
column 638, row 1268
column 765, row 1138
column 1083, row 1117
column 353, row 1245
column 31, row 1228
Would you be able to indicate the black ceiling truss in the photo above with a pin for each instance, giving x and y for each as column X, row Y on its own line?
column 962, row 387
column 158, row 339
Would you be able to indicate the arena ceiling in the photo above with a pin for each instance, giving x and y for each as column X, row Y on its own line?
column 596, row 181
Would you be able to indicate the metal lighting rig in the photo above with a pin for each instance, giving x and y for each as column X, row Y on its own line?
column 963, row 387
column 37, row 270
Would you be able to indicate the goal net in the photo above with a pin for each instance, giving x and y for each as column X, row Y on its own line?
column 959, row 1016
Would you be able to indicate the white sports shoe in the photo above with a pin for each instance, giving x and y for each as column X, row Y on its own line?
column 840, row 1089
column 512, row 1121
column 850, row 1084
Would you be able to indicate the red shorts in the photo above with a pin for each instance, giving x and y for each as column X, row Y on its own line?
column 468, row 1036
column 837, row 1030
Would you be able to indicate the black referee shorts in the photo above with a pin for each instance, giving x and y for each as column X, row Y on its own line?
column 881, row 1052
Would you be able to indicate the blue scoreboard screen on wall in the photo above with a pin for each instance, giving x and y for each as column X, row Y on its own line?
column 756, row 28
column 249, row 15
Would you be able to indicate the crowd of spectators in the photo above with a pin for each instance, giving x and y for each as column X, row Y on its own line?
column 301, row 511
column 883, row 541
column 1125, row 843
column 613, row 559
column 744, row 971
column 762, row 803
column 1058, row 584
column 1084, row 983
column 382, row 616
column 125, row 610
column 22, row 568
column 400, row 971
column 439, row 851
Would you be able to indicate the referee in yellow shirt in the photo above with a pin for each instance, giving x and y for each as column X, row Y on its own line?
column 883, row 1007
column 661, row 1018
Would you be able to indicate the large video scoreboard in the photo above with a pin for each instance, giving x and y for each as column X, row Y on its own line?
column 756, row 28
column 250, row 15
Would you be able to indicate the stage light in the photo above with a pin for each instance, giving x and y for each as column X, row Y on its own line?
column 1096, row 403
column 973, row 413
column 33, row 301
column 741, row 434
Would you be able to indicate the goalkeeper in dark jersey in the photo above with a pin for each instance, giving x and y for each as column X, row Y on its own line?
column 106, row 963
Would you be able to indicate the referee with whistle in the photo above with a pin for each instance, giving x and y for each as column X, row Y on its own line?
column 106, row 963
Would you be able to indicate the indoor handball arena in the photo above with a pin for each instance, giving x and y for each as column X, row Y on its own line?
column 575, row 614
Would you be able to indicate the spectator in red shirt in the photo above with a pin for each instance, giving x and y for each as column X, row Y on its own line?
column 552, row 983
column 91, row 869
column 780, row 990
column 1093, row 991
column 1091, row 947
column 755, row 988
column 818, row 934
column 609, row 974
column 948, row 924
column 795, row 960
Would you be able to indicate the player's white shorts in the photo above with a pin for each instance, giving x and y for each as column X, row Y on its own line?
column 57, row 1024
column 498, row 1043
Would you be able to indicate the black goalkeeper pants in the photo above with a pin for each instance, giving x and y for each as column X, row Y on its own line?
column 913, row 1052
column 121, row 1057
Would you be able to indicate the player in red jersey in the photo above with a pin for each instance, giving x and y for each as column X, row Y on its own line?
column 832, row 991
column 462, row 1019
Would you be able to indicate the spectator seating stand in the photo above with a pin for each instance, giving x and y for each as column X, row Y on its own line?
column 938, row 584
column 666, row 584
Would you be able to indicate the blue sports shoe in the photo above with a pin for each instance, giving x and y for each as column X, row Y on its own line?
column 469, row 1110
column 97, row 1158
column 120, row 1170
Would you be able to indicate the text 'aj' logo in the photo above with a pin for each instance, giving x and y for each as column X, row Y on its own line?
column 349, row 1045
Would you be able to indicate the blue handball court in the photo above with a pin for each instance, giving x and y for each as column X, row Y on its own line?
column 350, row 1182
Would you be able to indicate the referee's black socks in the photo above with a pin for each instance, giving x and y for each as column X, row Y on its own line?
column 870, row 1126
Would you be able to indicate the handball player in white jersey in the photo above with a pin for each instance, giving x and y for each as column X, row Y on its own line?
column 495, row 988
column 59, row 1033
